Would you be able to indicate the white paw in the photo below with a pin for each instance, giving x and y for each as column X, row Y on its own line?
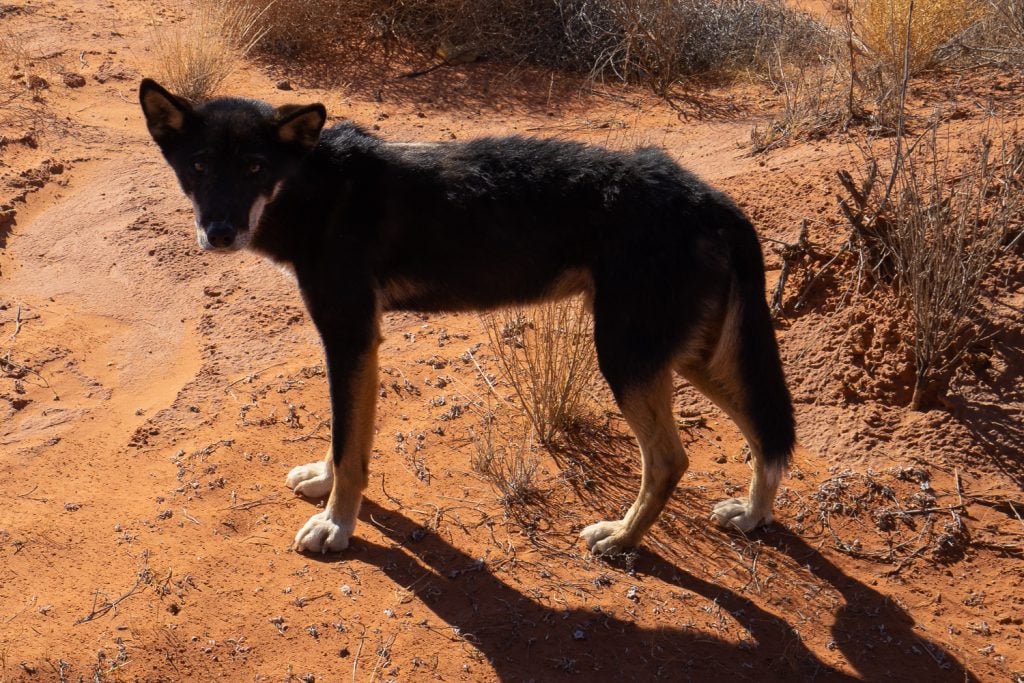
column 606, row 538
column 313, row 480
column 321, row 534
column 736, row 513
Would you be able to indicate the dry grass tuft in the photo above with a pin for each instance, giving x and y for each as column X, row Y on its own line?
column 197, row 55
column 547, row 355
column 814, row 104
column 23, row 108
column 881, row 25
column 509, row 467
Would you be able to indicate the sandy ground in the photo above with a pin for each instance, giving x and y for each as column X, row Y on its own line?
column 153, row 397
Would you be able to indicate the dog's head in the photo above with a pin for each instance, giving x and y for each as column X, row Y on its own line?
column 231, row 156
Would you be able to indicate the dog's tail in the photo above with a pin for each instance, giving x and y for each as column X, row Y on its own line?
column 767, row 404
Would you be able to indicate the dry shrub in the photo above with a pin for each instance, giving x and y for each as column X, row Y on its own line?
column 294, row 27
column 197, row 55
column 657, row 42
column 23, row 109
column 890, row 517
column 510, row 466
column 902, row 37
column 660, row 43
column 882, row 24
column 933, row 234
column 547, row 355
column 999, row 36
column 814, row 104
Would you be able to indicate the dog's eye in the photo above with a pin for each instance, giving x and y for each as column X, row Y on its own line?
column 198, row 166
column 255, row 167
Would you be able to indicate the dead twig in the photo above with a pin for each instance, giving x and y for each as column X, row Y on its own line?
column 248, row 505
column 311, row 433
column 789, row 253
column 18, row 371
column 96, row 613
column 359, row 651
column 17, row 324
column 253, row 375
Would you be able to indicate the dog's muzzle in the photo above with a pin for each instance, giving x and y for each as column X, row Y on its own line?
column 220, row 235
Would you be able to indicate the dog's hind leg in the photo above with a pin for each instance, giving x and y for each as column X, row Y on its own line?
column 744, row 378
column 754, row 510
column 647, row 407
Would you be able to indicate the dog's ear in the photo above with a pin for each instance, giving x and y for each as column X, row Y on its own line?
column 301, row 124
column 166, row 114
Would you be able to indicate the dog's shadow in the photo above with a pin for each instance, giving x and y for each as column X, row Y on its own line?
column 525, row 640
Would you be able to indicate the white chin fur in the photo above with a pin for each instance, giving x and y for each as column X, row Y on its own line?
column 242, row 237
column 242, row 240
column 204, row 243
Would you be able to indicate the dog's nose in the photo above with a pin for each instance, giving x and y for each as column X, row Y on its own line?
column 220, row 235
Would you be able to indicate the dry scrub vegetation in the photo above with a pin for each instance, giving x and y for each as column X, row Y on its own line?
column 927, row 222
column 23, row 108
column 932, row 235
column 653, row 42
column 198, row 54
column 546, row 354
column 881, row 25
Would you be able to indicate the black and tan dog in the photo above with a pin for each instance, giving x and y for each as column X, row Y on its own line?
column 672, row 269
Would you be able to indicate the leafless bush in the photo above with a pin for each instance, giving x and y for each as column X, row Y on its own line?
column 660, row 43
column 814, row 104
column 509, row 467
column 292, row 27
column 23, row 109
column 657, row 42
column 547, row 355
column 197, row 55
column 933, row 234
column 999, row 36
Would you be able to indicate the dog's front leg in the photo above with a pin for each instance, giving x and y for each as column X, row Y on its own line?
column 351, row 352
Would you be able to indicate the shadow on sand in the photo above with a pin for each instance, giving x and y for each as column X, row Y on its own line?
column 524, row 640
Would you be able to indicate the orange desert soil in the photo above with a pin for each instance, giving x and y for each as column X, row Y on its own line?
column 153, row 397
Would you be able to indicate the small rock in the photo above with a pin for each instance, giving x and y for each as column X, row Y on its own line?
column 284, row 84
column 721, row 459
column 73, row 80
